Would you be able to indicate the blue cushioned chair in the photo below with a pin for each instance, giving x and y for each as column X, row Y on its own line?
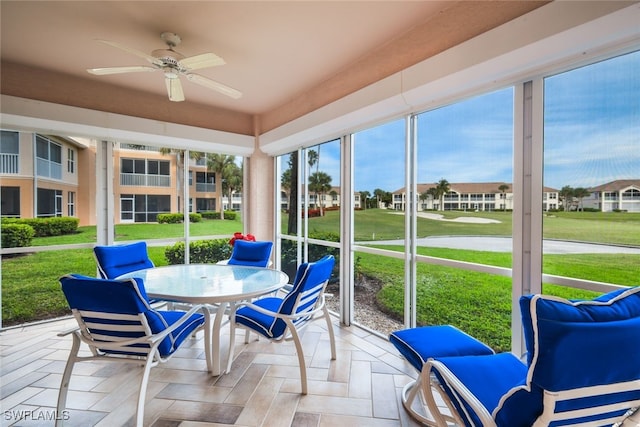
column 582, row 368
column 280, row 319
column 251, row 254
column 117, row 323
column 116, row 260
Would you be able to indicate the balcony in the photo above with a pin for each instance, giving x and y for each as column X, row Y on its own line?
column 144, row 180
column 203, row 187
column 9, row 163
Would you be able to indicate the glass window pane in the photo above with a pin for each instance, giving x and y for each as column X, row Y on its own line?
column 323, row 185
column 379, row 171
column 9, row 143
column 592, row 166
column 465, row 171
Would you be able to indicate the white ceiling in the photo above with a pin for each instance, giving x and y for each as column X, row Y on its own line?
column 287, row 57
column 274, row 51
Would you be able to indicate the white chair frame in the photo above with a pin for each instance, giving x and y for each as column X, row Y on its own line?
column 148, row 356
column 291, row 331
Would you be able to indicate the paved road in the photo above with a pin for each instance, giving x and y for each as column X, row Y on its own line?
column 503, row 244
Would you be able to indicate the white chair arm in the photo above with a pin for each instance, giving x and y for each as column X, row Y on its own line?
column 454, row 383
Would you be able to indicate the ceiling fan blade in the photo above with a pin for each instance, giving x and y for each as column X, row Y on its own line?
column 201, row 61
column 135, row 52
column 120, row 70
column 174, row 89
column 211, row 84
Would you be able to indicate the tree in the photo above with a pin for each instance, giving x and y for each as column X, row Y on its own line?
column 383, row 197
column 442, row 187
column 320, row 184
column 221, row 165
column 580, row 193
column 566, row 196
column 289, row 181
column 503, row 189
column 364, row 195
column 233, row 181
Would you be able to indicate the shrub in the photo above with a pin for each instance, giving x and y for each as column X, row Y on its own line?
column 45, row 227
column 176, row 218
column 210, row 215
column 17, row 235
column 169, row 218
column 200, row 252
column 290, row 253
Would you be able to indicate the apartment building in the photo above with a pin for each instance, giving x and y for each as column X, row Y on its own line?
column 618, row 195
column 478, row 196
column 50, row 176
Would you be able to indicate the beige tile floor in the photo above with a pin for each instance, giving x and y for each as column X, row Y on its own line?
column 360, row 388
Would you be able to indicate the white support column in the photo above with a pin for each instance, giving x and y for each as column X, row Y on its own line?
column 410, row 215
column 346, row 231
column 105, row 212
column 257, row 191
column 527, row 209
column 186, row 156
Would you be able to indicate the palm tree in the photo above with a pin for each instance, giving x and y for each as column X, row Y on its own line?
column 221, row 165
column 320, row 184
column 364, row 195
column 503, row 189
column 289, row 181
column 233, row 181
column 442, row 187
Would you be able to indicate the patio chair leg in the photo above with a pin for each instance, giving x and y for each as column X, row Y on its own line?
column 303, row 367
column 66, row 377
column 332, row 337
column 143, row 392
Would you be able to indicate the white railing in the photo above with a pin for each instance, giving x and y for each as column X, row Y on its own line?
column 9, row 163
column 203, row 187
column 48, row 168
column 143, row 180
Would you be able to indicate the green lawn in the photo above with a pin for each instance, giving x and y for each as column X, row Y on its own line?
column 478, row 303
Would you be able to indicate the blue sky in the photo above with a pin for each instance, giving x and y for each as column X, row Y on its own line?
column 592, row 135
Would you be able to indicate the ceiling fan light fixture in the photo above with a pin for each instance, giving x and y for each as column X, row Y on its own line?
column 173, row 65
column 170, row 73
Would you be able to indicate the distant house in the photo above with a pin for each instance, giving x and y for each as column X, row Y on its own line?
column 480, row 196
column 622, row 194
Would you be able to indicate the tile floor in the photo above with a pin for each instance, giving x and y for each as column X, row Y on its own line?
column 361, row 388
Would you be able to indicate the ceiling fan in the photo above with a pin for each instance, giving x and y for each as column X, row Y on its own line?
column 173, row 64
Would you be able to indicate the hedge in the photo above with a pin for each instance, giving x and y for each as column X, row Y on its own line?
column 200, row 251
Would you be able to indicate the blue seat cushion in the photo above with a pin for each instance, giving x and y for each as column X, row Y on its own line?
column 160, row 320
column 600, row 330
column 121, row 259
column 488, row 378
column 253, row 254
column 262, row 323
column 419, row 344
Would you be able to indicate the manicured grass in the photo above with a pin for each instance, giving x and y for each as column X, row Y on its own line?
column 478, row 303
column 143, row 231
column 598, row 227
